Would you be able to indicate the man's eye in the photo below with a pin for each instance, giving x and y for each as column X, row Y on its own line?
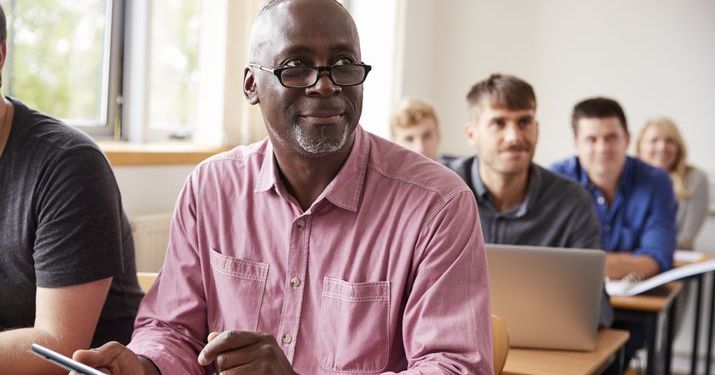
column 293, row 63
column 344, row 61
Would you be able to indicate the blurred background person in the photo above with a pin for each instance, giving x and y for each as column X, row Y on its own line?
column 660, row 144
column 414, row 125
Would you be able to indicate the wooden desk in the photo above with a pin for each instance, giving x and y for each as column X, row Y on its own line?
column 645, row 308
column 654, row 300
column 561, row 362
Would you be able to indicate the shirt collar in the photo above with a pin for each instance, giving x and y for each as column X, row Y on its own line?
column 346, row 187
column 267, row 176
column 483, row 195
column 623, row 179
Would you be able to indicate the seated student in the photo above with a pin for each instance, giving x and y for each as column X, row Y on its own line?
column 660, row 144
column 634, row 201
column 520, row 202
column 67, row 270
column 414, row 125
column 323, row 249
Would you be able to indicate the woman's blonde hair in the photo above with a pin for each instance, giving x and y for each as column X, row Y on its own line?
column 680, row 169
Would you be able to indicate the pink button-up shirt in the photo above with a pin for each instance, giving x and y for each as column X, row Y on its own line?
column 384, row 273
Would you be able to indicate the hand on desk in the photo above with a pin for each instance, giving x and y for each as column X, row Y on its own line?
column 618, row 265
column 245, row 353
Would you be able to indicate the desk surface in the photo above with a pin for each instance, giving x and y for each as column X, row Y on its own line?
column 654, row 300
column 561, row 362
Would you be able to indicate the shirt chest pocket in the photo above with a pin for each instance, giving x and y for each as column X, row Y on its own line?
column 354, row 326
column 234, row 302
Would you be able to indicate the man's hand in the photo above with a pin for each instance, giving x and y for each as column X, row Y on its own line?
column 245, row 353
column 618, row 265
column 114, row 358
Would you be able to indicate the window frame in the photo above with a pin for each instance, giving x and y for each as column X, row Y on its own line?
column 109, row 125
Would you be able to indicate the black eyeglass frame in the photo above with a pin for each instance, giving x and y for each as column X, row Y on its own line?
column 279, row 71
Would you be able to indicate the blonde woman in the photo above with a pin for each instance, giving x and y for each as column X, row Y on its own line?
column 660, row 144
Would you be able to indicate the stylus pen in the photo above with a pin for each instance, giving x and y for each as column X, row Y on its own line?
column 63, row 361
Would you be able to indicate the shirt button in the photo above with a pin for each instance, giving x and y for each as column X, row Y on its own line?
column 287, row 339
column 300, row 224
column 607, row 228
column 600, row 200
column 295, row 282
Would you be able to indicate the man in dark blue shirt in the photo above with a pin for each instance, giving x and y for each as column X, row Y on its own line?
column 634, row 201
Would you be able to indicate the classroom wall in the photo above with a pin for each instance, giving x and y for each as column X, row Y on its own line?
column 654, row 56
column 150, row 189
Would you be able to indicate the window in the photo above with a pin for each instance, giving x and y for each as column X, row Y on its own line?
column 72, row 60
column 174, row 65
column 138, row 70
column 77, row 77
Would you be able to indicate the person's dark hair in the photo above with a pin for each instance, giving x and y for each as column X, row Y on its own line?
column 3, row 24
column 503, row 90
column 598, row 108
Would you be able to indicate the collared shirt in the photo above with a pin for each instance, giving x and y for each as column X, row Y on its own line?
column 385, row 272
column 556, row 212
column 641, row 218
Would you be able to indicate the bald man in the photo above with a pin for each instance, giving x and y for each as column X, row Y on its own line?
column 321, row 250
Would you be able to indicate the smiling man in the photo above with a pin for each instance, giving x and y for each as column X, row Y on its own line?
column 634, row 201
column 323, row 249
column 516, row 197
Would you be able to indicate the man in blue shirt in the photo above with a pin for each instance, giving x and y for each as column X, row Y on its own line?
column 634, row 201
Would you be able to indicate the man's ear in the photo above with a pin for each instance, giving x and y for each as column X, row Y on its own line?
column 249, row 86
column 470, row 133
column 3, row 53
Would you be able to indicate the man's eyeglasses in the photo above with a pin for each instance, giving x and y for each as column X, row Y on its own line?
column 303, row 76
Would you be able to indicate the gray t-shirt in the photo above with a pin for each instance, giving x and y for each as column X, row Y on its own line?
column 556, row 212
column 61, row 224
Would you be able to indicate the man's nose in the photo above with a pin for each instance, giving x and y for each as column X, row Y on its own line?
column 419, row 146
column 324, row 86
column 512, row 134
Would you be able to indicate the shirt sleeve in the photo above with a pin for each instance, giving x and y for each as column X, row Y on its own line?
column 79, row 221
column 171, row 326
column 657, row 239
column 696, row 211
column 447, row 318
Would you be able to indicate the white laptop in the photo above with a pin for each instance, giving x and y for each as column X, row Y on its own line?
column 548, row 297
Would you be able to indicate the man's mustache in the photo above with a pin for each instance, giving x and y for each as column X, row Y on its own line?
column 517, row 148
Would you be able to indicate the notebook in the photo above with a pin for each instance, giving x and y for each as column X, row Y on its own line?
column 549, row 297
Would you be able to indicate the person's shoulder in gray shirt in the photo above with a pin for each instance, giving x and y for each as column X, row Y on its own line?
column 556, row 212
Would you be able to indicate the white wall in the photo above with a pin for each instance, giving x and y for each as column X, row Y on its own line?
column 150, row 190
column 654, row 56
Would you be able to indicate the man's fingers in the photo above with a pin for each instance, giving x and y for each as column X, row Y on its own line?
column 241, row 357
column 213, row 335
column 99, row 357
column 226, row 341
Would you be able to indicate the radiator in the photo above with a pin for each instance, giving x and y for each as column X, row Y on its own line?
column 151, row 237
